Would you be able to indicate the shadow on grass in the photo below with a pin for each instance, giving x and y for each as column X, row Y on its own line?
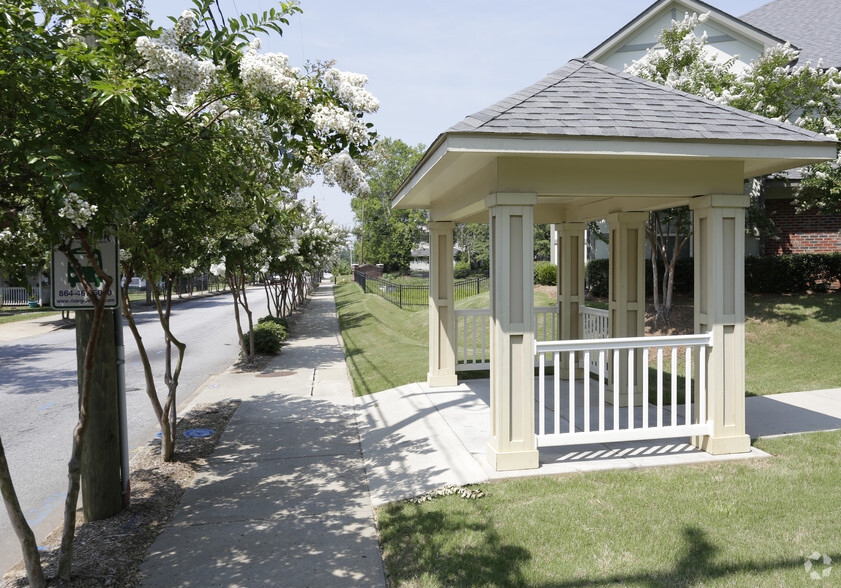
column 488, row 561
column 485, row 561
column 825, row 307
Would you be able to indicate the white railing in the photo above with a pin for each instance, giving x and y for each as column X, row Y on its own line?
column 595, row 321
column 602, row 418
column 14, row 296
column 473, row 334
column 595, row 326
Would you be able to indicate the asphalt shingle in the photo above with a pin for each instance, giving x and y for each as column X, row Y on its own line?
column 587, row 99
column 811, row 25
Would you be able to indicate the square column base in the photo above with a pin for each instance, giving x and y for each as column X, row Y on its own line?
column 503, row 461
column 442, row 381
column 722, row 445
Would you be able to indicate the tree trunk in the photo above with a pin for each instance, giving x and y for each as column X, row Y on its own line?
column 31, row 558
column 65, row 555
column 151, row 390
column 232, row 282
column 100, row 474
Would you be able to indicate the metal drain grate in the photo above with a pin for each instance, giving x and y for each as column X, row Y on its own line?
column 276, row 374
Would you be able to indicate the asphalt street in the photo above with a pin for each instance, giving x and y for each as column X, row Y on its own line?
column 38, row 398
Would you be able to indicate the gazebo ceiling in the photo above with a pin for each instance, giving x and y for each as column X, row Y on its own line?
column 589, row 140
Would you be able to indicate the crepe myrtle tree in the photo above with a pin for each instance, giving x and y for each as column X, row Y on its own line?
column 92, row 94
column 774, row 85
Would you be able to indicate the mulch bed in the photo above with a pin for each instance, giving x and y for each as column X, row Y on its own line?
column 110, row 552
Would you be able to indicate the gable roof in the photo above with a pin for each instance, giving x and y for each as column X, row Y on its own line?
column 811, row 25
column 587, row 99
column 617, row 41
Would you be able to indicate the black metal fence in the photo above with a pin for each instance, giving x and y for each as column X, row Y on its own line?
column 415, row 295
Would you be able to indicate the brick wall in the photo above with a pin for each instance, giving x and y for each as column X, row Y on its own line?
column 807, row 232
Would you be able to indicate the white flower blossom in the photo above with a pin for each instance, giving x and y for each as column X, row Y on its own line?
column 77, row 210
column 350, row 89
column 218, row 269
column 185, row 73
column 340, row 170
column 270, row 73
column 332, row 119
column 247, row 240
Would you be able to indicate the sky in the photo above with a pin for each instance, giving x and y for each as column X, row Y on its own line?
column 433, row 63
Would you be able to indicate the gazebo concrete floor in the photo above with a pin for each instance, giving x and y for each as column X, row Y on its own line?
column 416, row 438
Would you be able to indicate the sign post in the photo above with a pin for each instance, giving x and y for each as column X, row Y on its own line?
column 68, row 293
column 103, row 483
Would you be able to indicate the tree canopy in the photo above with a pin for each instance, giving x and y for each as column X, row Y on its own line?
column 774, row 85
column 388, row 235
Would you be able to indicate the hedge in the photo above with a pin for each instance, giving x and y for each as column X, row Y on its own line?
column 782, row 274
column 764, row 274
column 545, row 273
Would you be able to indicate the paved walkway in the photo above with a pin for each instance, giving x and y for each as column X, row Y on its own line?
column 284, row 500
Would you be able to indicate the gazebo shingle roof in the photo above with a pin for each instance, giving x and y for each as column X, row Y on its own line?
column 587, row 99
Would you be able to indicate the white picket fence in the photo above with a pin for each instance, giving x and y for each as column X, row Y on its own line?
column 473, row 334
column 595, row 326
column 14, row 296
column 593, row 408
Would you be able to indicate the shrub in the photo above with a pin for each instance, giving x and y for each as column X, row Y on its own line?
column 340, row 268
column 268, row 337
column 276, row 320
column 684, row 276
column 597, row 277
column 545, row 273
column 781, row 274
column 461, row 270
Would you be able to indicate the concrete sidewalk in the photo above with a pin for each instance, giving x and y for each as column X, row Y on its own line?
column 284, row 500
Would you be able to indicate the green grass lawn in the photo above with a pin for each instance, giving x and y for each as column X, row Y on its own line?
column 385, row 346
column 792, row 343
column 13, row 314
column 750, row 523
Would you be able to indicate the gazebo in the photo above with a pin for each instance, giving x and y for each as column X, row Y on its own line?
column 587, row 143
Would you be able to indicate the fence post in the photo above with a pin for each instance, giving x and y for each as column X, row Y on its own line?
column 400, row 294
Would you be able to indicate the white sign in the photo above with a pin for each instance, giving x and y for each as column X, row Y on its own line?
column 68, row 292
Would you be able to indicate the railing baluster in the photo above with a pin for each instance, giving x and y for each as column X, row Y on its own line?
column 542, row 396
column 645, row 388
column 687, row 391
column 556, row 358
column 484, row 331
column 615, row 380
column 602, row 360
column 659, row 386
column 572, row 391
column 587, row 391
column 630, row 388
column 674, row 386
column 474, row 339
column 702, row 376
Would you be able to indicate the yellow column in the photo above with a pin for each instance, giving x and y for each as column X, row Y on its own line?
column 570, row 258
column 626, row 302
column 720, row 308
column 442, row 316
column 512, row 445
